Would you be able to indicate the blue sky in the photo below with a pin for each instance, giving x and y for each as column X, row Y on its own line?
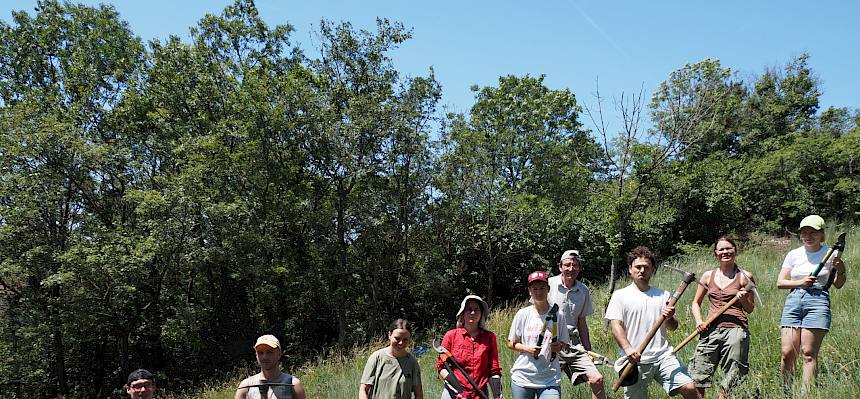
column 624, row 45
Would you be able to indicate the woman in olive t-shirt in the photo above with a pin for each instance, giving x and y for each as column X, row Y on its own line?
column 392, row 372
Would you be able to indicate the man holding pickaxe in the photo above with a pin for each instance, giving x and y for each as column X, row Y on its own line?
column 631, row 311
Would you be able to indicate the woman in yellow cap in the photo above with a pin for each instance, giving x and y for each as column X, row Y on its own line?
column 806, row 314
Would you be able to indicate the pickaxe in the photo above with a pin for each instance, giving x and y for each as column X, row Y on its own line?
column 688, row 278
column 744, row 272
column 723, row 309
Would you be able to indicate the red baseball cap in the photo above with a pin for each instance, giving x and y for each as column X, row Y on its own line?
column 538, row 275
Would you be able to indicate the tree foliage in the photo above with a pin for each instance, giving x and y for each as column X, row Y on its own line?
column 161, row 205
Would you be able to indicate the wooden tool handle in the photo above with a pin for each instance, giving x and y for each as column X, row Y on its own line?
column 688, row 278
column 707, row 323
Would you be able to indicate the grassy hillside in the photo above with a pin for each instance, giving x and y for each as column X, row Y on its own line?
column 337, row 377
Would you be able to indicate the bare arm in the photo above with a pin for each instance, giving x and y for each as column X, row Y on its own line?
column 298, row 389
column 619, row 332
column 584, row 336
column 746, row 298
column 670, row 320
column 363, row 391
column 516, row 346
column 839, row 269
column 696, row 306
column 784, row 280
column 419, row 391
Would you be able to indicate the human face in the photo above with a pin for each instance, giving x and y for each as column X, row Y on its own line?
column 398, row 339
column 641, row 270
column 569, row 268
column 267, row 357
column 725, row 252
column 538, row 290
column 141, row 389
column 472, row 312
column 811, row 238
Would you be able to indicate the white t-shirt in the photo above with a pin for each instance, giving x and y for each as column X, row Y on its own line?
column 527, row 371
column 802, row 263
column 639, row 311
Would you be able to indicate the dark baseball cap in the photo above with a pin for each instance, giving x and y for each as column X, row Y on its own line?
column 140, row 374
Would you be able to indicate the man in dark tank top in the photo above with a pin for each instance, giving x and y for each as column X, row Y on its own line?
column 270, row 382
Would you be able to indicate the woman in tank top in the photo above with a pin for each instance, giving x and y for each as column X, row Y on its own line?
column 725, row 341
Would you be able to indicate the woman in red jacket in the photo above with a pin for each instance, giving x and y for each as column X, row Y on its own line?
column 476, row 349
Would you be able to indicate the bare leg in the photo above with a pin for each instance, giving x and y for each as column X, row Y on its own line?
column 790, row 346
column 595, row 381
column 810, row 343
column 689, row 391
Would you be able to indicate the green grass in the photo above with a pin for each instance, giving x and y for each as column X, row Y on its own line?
column 336, row 375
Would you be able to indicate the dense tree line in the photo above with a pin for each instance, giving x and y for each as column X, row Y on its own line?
column 162, row 204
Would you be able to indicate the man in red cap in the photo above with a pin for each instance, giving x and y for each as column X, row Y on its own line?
column 270, row 382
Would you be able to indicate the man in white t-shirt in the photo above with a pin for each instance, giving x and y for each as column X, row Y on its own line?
column 574, row 299
column 632, row 312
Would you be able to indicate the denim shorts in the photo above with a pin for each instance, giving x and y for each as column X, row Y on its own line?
column 666, row 370
column 518, row 392
column 806, row 308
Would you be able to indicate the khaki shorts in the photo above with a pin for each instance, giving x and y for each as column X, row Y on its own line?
column 725, row 347
column 576, row 363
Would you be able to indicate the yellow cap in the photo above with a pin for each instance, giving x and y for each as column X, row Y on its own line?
column 268, row 340
column 814, row 221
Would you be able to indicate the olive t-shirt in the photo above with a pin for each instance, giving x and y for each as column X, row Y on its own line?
column 391, row 377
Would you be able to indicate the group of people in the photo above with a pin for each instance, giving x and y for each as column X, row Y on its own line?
column 551, row 335
column 269, row 383
column 562, row 300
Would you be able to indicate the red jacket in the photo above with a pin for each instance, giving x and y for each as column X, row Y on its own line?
column 478, row 356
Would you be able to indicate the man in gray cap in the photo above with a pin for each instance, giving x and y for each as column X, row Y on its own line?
column 574, row 300
column 270, row 382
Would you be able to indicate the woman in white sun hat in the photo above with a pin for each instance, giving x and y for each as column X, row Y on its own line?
column 475, row 348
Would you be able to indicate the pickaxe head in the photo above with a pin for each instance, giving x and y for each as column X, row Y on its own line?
column 688, row 277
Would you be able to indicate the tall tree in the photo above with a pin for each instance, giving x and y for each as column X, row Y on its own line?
column 357, row 112
column 781, row 105
column 521, row 147
column 62, row 73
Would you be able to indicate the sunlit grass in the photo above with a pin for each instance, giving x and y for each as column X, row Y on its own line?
column 336, row 376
